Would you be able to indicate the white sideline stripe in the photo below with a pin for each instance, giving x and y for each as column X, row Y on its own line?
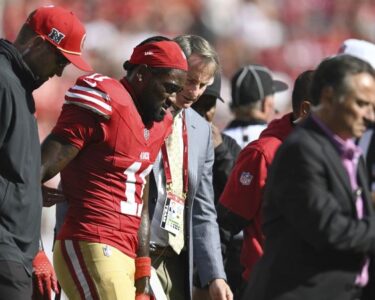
column 90, row 99
column 77, row 268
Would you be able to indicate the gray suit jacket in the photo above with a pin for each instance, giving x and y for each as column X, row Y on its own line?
column 202, row 232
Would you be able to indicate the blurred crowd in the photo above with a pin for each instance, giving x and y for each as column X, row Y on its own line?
column 285, row 36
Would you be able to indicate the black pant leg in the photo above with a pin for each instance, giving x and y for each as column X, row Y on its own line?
column 15, row 282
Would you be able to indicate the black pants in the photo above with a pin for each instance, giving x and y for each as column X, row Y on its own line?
column 232, row 266
column 15, row 282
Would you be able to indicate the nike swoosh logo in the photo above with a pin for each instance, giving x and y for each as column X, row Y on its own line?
column 92, row 84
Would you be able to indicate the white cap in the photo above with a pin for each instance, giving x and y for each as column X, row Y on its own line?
column 360, row 49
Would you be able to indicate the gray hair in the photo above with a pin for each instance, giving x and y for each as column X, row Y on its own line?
column 195, row 44
column 335, row 72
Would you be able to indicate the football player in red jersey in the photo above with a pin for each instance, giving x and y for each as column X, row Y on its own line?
column 104, row 143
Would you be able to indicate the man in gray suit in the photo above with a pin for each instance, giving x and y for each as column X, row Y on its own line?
column 184, row 231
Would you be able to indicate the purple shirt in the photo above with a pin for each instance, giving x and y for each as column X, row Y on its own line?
column 349, row 154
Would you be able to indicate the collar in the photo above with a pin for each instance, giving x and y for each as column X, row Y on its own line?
column 243, row 123
column 346, row 148
column 20, row 68
column 175, row 111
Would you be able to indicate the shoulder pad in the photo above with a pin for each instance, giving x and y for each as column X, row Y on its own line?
column 89, row 92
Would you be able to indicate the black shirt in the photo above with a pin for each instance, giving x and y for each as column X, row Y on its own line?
column 20, row 188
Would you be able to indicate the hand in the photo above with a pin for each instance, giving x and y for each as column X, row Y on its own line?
column 51, row 196
column 44, row 277
column 216, row 136
column 143, row 288
column 219, row 290
column 201, row 293
column 142, row 297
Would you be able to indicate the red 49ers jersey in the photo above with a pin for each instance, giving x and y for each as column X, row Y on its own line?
column 104, row 183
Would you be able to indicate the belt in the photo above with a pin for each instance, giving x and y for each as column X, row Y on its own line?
column 160, row 251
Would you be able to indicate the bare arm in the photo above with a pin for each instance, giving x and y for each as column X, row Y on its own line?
column 143, row 284
column 56, row 154
column 144, row 229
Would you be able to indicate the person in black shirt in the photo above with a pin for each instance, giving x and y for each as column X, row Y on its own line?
column 49, row 40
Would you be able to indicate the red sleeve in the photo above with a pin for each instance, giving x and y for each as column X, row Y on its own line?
column 89, row 93
column 77, row 126
column 243, row 192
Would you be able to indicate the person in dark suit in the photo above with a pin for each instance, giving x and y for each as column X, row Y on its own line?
column 364, row 50
column 318, row 220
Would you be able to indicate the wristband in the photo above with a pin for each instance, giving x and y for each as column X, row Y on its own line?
column 142, row 267
column 142, row 297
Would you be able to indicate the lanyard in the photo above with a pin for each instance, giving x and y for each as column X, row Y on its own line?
column 166, row 164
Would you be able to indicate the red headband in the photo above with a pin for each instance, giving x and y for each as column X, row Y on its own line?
column 164, row 54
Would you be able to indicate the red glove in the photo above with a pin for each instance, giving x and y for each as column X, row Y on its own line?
column 44, row 277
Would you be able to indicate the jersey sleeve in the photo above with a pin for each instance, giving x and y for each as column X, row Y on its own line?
column 6, row 112
column 89, row 93
column 78, row 126
column 243, row 192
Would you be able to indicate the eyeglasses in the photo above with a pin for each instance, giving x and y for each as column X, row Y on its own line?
column 170, row 88
column 61, row 60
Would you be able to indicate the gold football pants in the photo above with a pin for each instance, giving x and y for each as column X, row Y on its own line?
column 87, row 270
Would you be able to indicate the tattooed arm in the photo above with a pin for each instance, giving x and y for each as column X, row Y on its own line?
column 143, row 284
column 56, row 154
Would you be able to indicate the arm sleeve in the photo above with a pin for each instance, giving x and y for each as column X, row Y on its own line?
column 299, row 188
column 85, row 103
column 243, row 192
column 225, row 156
column 6, row 112
column 77, row 126
column 206, row 238
column 89, row 92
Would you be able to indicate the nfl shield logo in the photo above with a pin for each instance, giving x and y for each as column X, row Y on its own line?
column 56, row 35
column 146, row 134
column 246, row 178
